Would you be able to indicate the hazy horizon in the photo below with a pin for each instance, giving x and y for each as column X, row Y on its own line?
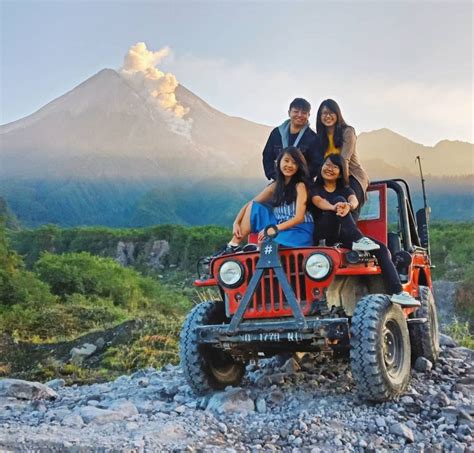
column 388, row 64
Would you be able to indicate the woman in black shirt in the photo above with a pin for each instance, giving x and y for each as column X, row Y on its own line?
column 334, row 201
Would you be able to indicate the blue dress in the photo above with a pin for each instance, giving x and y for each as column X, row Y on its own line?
column 300, row 235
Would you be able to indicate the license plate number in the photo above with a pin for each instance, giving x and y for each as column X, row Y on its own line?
column 271, row 336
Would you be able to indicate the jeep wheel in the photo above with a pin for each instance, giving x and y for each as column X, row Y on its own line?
column 380, row 348
column 425, row 337
column 206, row 368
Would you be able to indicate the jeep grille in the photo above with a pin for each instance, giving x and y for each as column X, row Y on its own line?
column 268, row 296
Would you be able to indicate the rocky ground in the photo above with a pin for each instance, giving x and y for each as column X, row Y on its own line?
column 307, row 405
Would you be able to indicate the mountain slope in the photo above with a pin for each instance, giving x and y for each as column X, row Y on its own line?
column 103, row 128
column 104, row 153
column 447, row 158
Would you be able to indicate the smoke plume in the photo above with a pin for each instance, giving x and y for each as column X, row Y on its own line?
column 139, row 69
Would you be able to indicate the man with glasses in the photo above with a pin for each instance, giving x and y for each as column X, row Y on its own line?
column 295, row 131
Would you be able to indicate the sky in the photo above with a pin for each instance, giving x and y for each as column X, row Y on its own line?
column 402, row 65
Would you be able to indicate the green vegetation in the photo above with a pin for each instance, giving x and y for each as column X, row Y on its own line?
column 17, row 285
column 60, row 284
column 65, row 296
column 460, row 332
column 453, row 254
column 147, row 347
column 81, row 274
column 452, row 250
column 186, row 244
column 122, row 203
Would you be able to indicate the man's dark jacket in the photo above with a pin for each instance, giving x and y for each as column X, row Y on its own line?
column 308, row 145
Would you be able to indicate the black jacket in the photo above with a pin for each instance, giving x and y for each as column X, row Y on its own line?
column 308, row 145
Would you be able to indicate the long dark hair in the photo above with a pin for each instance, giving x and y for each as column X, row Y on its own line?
column 343, row 180
column 286, row 193
column 332, row 106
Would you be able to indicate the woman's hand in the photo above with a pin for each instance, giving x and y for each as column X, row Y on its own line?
column 342, row 209
column 236, row 230
column 261, row 234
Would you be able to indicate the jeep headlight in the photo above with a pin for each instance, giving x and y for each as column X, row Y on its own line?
column 231, row 274
column 318, row 266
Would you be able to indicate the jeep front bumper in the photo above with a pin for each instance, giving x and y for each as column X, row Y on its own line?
column 334, row 330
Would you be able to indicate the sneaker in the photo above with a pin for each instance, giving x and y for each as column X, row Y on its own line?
column 405, row 300
column 227, row 250
column 365, row 245
column 250, row 248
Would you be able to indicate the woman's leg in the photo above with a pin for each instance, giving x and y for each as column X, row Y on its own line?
column 348, row 231
column 326, row 227
column 390, row 275
column 245, row 225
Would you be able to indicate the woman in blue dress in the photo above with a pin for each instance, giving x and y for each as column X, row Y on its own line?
column 284, row 203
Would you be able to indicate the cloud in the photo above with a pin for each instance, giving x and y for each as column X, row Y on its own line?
column 425, row 113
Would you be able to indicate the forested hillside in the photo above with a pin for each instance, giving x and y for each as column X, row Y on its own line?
column 123, row 204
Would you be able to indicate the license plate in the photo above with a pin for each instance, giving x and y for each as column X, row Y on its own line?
column 271, row 336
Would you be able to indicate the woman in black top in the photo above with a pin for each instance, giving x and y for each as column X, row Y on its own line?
column 334, row 201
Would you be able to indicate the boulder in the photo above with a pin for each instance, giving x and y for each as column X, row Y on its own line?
column 261, row 405
column 125, row 254
column 231, row 401
column 445, row 340
column 291, row 366
column 73, row 421
column 26, row 390
column 79, row 354
column 402, row 430
column 158, row 251
column 169, row 432
column 422, row 364
column 56, row 384
column 91, row 414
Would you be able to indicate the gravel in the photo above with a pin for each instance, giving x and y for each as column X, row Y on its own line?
column 304, row 405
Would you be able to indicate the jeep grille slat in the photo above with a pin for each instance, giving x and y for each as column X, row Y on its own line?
column 268, row 296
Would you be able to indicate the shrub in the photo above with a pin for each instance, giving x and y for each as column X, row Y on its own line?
column 82, row 273
column 460, row 332
column 155, row 345
column 18, row 286
column 59, row 322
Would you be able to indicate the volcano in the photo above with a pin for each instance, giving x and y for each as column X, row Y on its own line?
column 103, row 128
column 103, row 154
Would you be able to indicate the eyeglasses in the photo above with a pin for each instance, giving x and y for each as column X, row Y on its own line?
column 299, row 112
column 330, row 166
column 327, row 113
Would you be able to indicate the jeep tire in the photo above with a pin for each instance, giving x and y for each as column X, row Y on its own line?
column 380, row 348
column 206, row 368
column 425, row 336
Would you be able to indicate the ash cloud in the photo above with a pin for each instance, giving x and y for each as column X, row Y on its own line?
column 159, row 88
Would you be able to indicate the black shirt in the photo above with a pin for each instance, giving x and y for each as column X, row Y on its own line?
column 292, row 138
column 320, row 191
column 308, row 145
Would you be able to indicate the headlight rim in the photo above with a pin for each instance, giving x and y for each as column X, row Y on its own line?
column 330, row 269
column 236, row 284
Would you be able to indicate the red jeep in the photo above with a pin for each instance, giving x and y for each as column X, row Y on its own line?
column 320, row 299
